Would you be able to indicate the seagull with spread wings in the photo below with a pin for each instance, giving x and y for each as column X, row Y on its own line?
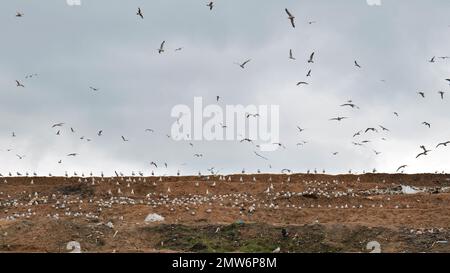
column 19, row 84
column 357, row 64
column 139, row 13
column 441, row 93
column 443, row 144
column 291, row 55
column 401, row 167
column 290, row 17
column 242, row 65
column 338, row 118
column 210, row 5
column 161, row 47
column 311, row 58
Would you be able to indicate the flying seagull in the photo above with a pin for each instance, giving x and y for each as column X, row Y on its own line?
column 100, row 133
column 371, row 129
column 357, row 65
column 339, row 118
column 93, row 88
column 443, row 144
column 73, row 154
column 258, row 155
column 384, row 128
column 19, row 84
column 124, row 139
column 302, row 83
column 154, row 164
column 210, row 5
column 422, row 94
column 161, row 47
column 290, row 17
column 442, row 94
column 20, row 156
column 425, row 151
column 58, row 125
column 311, row 58
column 309, row 73
column 246, row 140
column 426, row 124
column 350, row 105
column 291, row 56
column 432, row 59
column 242, row 65
column 19, row 14
column 139, row 13
column 401, row 167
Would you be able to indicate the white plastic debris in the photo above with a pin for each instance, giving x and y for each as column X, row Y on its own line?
column 153, row 217
column 409, row 190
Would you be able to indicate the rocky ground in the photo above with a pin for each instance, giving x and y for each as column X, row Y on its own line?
column 238, row 213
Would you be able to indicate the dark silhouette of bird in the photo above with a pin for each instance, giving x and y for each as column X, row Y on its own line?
column 161, row 47
column 124, row 139
column 149, row 130
column 291, row 56
column 19, row 14
column 309, row 73
column 350, row 105
column 357, row 64
column 422, row 94
column 443, row 144
column 426, row 124
column 432, row 60
column 448, row 80
column 210, row 5
column 72, row 154
column 395, row 113
column 58, row 124
column 371, row 129
column 302, row 83
column 19, row 84
column 154, row 164
column 198, row 155
column 258, row 155
column 401, row 167
column 425, row 152
column 338, row 118
column 311, row 58
column 139, row 13
column 441, row 93
column 246, row 140
column 357, row 134
column 93, row 88
column 300, row 129
column 20, row 156
column 242, row 65
column 291, row 17
column 100, row 133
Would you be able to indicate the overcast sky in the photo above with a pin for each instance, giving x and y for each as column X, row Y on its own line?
column 103, row 43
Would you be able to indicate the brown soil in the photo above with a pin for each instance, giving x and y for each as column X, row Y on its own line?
column 309, row 213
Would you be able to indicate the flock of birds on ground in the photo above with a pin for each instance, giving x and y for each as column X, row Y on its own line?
column 422, row 151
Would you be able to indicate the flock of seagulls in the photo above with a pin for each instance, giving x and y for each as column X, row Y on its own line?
column 243, row 65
